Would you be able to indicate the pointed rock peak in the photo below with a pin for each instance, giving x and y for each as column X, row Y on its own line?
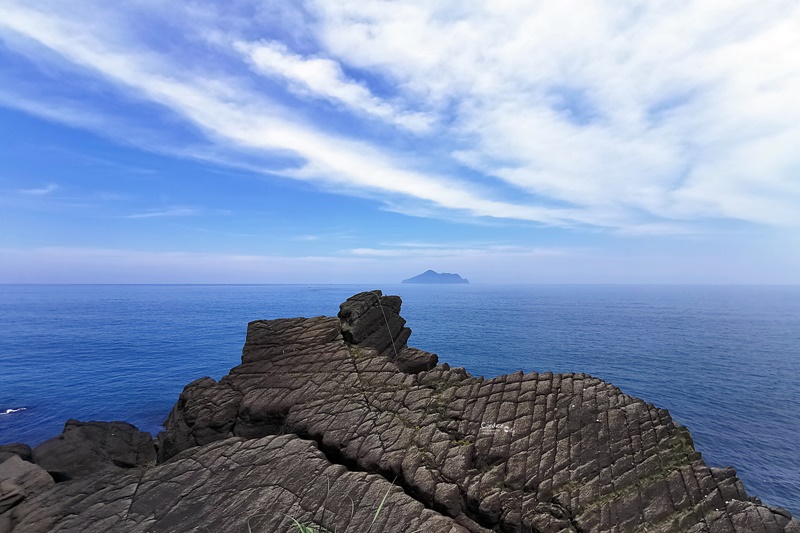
column 373, row 320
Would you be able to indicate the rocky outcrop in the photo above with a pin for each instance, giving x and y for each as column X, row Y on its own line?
column 371, row 320
column 326, row 415
column 23, row 451
column 232, row 485
column 20, row 479
column 88, row 447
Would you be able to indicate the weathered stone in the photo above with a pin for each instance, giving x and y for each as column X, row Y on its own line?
column 371, row 320
column 232, row 485
column 20, row 479
column 88, row 447
column 23, row 451
column 414, row 361
column 585, row 452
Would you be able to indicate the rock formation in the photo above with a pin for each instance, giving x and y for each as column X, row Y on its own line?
column 328, row 417
column 23, row 451
column 20, row 479
column 88, row 447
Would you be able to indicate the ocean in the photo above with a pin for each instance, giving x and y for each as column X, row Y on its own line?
column 725, row 360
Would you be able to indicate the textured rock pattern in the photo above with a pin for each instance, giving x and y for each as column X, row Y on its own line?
column 19, row 480
column 87, row 447
column 228, row 486
column 371, row 320
column 23, row 451
column 521, row 452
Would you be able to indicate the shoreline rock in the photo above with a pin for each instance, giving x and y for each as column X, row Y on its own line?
column 84, row 448
column 343, row 402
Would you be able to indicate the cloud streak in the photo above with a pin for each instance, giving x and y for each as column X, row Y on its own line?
column 324, row 78
column 43, row 191
column 228, row 112
column 518, row 265
column 422, row 250
column 679, row 112
column 171, row 212
column 646, row 119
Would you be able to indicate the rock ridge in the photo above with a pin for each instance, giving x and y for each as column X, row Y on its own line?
column 327, row 416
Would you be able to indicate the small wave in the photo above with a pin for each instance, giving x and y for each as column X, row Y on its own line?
column 9, row 411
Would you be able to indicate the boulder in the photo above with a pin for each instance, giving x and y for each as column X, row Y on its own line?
column 20, row 479
column 371, row 320
column 23, row 451
column 87, row 447
column 414, row 361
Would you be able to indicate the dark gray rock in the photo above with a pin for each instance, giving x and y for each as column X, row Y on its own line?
column 200, row 417
column 414, row 361
column 544, row 452
column 233, row 485
column 88, row 447
column 23, row 451
column 18, row 480
column 371, row 320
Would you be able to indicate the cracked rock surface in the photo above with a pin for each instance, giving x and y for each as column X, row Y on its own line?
column 87, row 447
column 228, row 486
column 326, row 415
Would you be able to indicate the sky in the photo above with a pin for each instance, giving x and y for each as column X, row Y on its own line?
column 313, row 141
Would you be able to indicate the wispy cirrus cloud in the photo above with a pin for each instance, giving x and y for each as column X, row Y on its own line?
column 169, row 212
column 41, row 191
column 226, row 110
column 327, row 236
column 647, row 119
column 680, row 112
column 323, row 78
column 460, row 252
column 525, row 264
column 114, row 265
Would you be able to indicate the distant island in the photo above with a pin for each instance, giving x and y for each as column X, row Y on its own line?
column 431, row 276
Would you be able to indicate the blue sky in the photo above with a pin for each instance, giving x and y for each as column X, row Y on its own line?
column 367, row 141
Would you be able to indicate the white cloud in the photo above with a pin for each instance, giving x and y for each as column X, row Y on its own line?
column 323, row 78
column 227, row 111
column 171, row 212
column 461, row 253
column 743, row 264
column 678, row 111
column 108, row 265
column 112, row 265
column 43, row 191
column 643, row 117
column 323, row 237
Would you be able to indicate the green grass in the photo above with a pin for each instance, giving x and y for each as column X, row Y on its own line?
column 304, row 529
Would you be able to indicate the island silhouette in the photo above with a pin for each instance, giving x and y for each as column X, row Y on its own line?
column 431, row 276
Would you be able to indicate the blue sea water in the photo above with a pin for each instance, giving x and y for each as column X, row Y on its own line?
column 724, row 360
